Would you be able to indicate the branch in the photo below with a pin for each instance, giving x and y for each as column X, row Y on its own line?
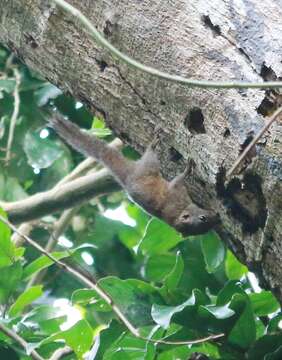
column 253, row 142
column 60, row 198
column 59, row 227
column 155, row 72
column 65, row 194
column 58, row 354
column 92, row 284
column 26, row 229
column 14, row 115
column 18, row 339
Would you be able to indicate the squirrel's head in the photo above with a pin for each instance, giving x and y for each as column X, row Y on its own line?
column 194, row 221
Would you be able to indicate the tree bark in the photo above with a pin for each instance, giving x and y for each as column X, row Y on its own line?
column 208, row 39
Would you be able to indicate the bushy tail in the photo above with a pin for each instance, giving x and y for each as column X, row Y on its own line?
column 92, row 146
column 77, row 138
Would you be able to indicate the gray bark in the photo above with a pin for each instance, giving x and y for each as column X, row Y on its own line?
column 211, row 39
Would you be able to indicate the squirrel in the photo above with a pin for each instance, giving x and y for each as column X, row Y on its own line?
column 142, row 180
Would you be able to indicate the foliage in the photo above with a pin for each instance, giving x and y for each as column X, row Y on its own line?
column 169, row 287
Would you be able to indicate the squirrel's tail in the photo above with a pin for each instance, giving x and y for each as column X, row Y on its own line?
column 92, row 146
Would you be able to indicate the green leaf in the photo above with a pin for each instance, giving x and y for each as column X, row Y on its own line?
column 26, row 298
column 158, row 267
column 7, row 85
column 219, row 312
column 13, row 190
column 47, row 319
column 2, row 181
column 41, row 153
column 243, row 333
column 143, row 286
column 213, row 250
column 185, row 352
column 195, row 275
column 42, row 313
column 9, row 280
column 158, row 238
column 31, row 84
column 98, row 123
column 230, row 288
column 138, row 215
column 276, row 355
column 162, row 314
column 264, row 303
column 19, row 252
column 173, row 278
column 108, row 336
column 260, row 328
column 7, row 248
column 267, row 344
column 177, row 352
column 7, row 352
column 129, row 236
column 128, row 347
column 233, row 268
column 45, row 93
column 59, row 169
column 79, row 337
column 99, row 129
column 133, row 297
column 86, row 296
column 273, row 325
column 104, row 231
column 42, row 263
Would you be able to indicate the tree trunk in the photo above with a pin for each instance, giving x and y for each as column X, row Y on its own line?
column 205, row 39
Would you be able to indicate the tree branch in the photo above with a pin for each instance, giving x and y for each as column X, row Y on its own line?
column 18, row 339
column 253, row 142
column 58, row 354
column 64, row 195
column 15, row 114
column 60, row 198
column 59, row 227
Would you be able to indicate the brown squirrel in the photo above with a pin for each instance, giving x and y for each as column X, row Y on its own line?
column 142, row 180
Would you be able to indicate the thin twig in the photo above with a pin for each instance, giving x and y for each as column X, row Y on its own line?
column 24, row 228
column 155, row 72
column 253, row 142
column 81, row 168
column 59, row 353
column 18, row 339
column 14, row 115
column 59, row 227
column 92, row 284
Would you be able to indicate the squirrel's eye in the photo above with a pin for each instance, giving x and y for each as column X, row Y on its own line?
column 203, row 218
column 185, row 216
